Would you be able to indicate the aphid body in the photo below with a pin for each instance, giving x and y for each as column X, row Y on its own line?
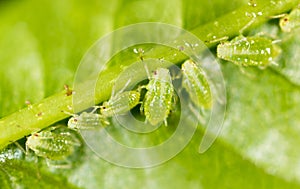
column 87, row 120
column 290, row 21
column 53, row 145
column 249, row 51
column 159, row 96
column 120, row 103
column 195, row 83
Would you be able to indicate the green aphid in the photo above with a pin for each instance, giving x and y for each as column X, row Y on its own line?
column 87, row 120
column 53, row 144
column 249, row 51
column 120, row 103
column 195, row 83
column 290, row 21
column 159, row 97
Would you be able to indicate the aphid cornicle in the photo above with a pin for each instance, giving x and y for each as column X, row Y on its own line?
column 120, row 103
column 53, row 145
column 159, row 97
column 195, row 83
column 249, row 51
column 290, row 21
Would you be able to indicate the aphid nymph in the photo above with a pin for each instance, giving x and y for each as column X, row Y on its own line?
column 87, row 120
column 159, row 97
column 51, row 144
column 195, row 83
column 249, row 51
column 120, row 103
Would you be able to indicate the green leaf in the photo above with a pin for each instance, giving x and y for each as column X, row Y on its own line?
column 42, row 44
column 288, row 63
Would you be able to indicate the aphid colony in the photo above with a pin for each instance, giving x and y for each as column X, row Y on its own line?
column 158, row 99
column 55, row 144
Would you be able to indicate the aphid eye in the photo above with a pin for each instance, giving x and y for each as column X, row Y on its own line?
column 155, row 72
column 36, row 134
column 285, row 19
column 75, row 120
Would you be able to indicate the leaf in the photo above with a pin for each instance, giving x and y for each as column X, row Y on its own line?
column 288, row 62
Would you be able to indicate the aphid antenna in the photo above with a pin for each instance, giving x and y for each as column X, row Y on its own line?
column 278, row 16
column 147, row 70
column 68, row 113
column 121, row 90
column 248, row 24
column 95, row 109
column 220, row 39
column 21, row 147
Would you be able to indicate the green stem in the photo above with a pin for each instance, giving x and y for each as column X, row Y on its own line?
column 49, row 110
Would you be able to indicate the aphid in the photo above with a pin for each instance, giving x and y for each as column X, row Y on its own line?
column 159, row 97
column 195, row 83
column 87, row 120
column 53, row 144
column 249, row 51
column 120, row 103
column 290, row 21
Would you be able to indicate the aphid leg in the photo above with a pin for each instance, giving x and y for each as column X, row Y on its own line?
column 276, row 41
column 54, row 164
column 274, row 63
column 196, row 113
column 243, row 71
column 123, row 89
column 142, row 108
column 165, row 122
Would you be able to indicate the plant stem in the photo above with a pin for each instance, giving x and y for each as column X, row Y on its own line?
column 48, row 111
